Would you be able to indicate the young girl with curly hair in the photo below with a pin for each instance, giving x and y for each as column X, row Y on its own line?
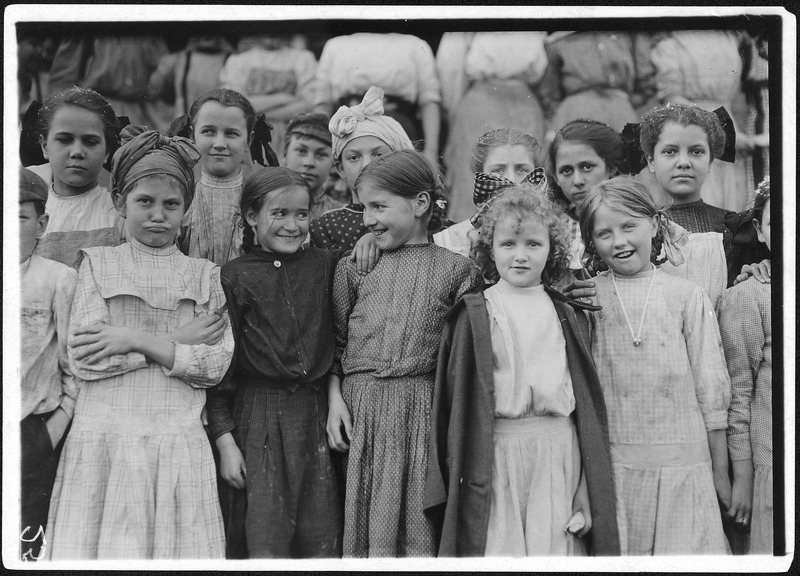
column 519, row 459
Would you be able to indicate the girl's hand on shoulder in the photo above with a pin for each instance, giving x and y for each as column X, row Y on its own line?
column 582, row 290
column 761, row 271
column 207, row 329
column 97, row 341
column 340, row 424
column 232, row 467
column 365, row 253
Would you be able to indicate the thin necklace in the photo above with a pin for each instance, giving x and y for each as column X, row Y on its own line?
column 637, row 338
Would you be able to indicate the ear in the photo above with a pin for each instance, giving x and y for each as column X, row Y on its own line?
column 339, row 169
column 250, row 217
column 759, row 233
column 43, row 144
column 654, row 225
column 250, row 137
column 119, row 204
column 650, row 164
column 41, row 224
column 421, row 203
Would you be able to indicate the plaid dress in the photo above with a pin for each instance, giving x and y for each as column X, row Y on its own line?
column 662, row 397
column 136, row 476
column 745, row 322
column 388, row 325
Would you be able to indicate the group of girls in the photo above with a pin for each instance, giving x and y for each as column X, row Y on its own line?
column 510, row 421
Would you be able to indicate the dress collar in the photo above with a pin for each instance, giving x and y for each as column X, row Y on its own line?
column 139, row 248
column 224, row 182
column 75, row 197
column 273, row 257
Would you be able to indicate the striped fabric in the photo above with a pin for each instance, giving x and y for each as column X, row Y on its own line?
column 214, row 231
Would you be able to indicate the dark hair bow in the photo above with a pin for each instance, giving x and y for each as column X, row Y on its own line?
column 180, row 126
column 488, row 186
column 260, row 148
column 637, row 160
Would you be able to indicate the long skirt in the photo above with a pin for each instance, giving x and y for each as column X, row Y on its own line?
column 486, row 106
column 535, row 474
column 611, row 107
column 386, row 467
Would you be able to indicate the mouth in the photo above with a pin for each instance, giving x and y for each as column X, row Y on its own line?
column 378, row 233
column 75, row 167
column 157, row 229
column 624, row 255
column 683, row 177
column 288, row 238
column 520, row 268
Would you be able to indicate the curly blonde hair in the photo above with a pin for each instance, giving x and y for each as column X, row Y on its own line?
column 520, row 203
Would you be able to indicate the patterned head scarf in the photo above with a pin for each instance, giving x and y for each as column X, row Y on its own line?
column 367, row 119
column 488, row 187
column 147, row 153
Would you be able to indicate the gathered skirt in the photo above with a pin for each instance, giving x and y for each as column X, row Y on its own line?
column 386, row 467
column 535, row 474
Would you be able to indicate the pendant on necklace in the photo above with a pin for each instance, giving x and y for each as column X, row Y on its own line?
column 637, row 341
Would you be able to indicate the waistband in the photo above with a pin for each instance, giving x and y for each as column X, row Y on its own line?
column 538, row 425
column 660, row 454
column 273, row 383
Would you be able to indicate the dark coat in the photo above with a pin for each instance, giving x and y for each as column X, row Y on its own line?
column 459, row 477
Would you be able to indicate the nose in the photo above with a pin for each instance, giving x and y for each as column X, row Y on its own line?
column 157, row 212
column 291, row 224
column 683, row 159
column 520, row 255
column 618, row 240
column 509, row 174
column 219, row 140
column 577, row 179
column 77, row 150
column 369, row 219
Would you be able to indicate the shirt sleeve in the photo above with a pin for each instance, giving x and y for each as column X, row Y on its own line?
column 89, row 307
column 345, row 294
column 232, row 75
column 64, row 294
column 668, row 74
column 219, row 403
column 707, row 360
column 430, row 90
column 473, row 280
column 743, row 340
column 204, row 365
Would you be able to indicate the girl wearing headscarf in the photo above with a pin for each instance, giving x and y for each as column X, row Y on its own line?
column 148, row 333
column 360, row 134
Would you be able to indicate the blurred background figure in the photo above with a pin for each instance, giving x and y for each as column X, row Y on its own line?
column 402, row 64
column 184, row 75
column 276, row 77
column 116, row 66
column 34, row 55
column 488, row 80
column 704, row 67
column 755, row 138
column 600, row 76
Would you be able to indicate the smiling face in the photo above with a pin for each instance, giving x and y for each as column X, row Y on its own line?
column 357, row 155
column 76, row 148
column 281, row 224
column 578, row 168
column 310, row 157
column 510, row 162
column 221, row 134
column 153, row 210
column 681, row 161
column 520, row 250
column 623, row 241
column 394, row 220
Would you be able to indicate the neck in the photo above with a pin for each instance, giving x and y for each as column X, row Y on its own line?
column 681, row 200
column 63, row 189
column 643, row 272
column 420, row 236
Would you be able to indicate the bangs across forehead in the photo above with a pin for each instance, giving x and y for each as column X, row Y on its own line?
column 290, row 196
column 619, row 205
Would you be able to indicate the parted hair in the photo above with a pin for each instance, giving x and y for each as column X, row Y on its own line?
column 654, row 120
column 226, row 98
column 505, row 137
column 519, row 203
column 87, row 99
column 629, row 196
column 407, row 173
column 255, row 190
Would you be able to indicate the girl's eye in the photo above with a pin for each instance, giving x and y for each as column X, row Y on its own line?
column 602, row 234
column 698, row 151
column 565, row 171
column 587, row 167
column 302, row 215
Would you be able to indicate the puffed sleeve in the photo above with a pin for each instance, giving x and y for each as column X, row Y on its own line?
column 707, row 359
column 345, row 294
column 428, row 80
column 743, row 339
column 204, row 365
column 668, row 72
column 232, row 75
column 89, row 307
column 322, row 75
column 62, row 302
column 451, row 59
column 305, row 70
